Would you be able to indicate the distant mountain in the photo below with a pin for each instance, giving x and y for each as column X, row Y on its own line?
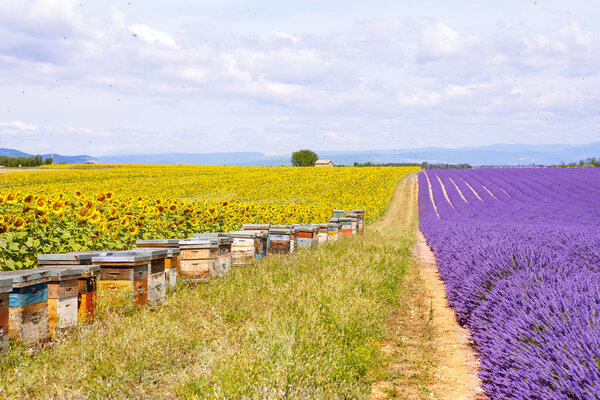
column 497, row 154
column 58, row 159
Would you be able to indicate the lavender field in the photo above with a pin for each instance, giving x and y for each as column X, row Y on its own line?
column 519, row 252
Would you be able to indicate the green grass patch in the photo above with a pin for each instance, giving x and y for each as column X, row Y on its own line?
column 306, row 325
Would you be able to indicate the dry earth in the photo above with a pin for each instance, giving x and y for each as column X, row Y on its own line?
column 428, row 354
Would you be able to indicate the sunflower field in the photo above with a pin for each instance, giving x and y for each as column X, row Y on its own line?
column 110, row 207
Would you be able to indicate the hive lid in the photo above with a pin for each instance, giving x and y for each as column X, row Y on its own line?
column 158, row 243
column 198, row 244
column 280, row 231
column 334, row 220
column 307, row 228
column 255, row 226
column 25, row 277
column 82, row 257
column 61, row 272
column 324, row 225
column 281, row 227
column 5, row 284
column 86, row 270
column 352, row 215
column 247, row 234
column 170, row 251
column 126, row 256
column 154, row 253
column 211, row 235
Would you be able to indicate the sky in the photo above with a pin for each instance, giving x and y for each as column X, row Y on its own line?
column 193, row 76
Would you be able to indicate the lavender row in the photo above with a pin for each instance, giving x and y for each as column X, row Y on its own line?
column 519, row 252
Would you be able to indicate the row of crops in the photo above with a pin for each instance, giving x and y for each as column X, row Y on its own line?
column 519, row 252
column 110, row 207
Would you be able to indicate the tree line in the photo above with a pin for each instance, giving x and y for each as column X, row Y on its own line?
column 15, row 162
column 589, row 162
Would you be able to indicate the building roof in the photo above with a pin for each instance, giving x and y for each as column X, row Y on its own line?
column 323, row 162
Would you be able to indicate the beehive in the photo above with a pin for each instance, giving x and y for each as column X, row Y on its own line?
column 171, row 263
column 354, row 222
column 337, row 213
column 224, row 254
column 333, row 229
column 199, row 259
column 247, row 245
column 87, row 282
column 63, row 291
column 306, row 235
column 345, row 226
column 281, row 240
column 28, row 305
column 157, row 281
column 123, row 278
column 361, row 220
column 264, row 228
column 323, row 233
column 5, row 289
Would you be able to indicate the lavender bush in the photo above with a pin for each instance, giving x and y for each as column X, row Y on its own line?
column 519, row 252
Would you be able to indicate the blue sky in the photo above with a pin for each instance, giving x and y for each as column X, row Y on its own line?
column 114, row 77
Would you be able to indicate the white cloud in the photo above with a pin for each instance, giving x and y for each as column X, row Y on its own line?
column 153, row 36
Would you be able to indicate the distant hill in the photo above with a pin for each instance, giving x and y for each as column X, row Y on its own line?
column 497, row 154
column 58, row 158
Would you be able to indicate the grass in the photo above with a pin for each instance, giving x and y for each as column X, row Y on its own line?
column 314, row 324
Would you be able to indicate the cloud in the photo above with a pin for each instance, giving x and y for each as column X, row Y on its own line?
column 153, row 36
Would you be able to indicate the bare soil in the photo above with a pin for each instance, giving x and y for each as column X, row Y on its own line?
column 428, row 354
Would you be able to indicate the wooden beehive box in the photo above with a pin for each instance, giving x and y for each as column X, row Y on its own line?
column 63, row 292
column 345, row 226
column 353, row 221
column 28, row 305
column 281, row 240
column 199, row 259
column 157, row 280
column 333, row 229
column 171, row 262
column 306, row 235
column 323, row 233
column 224, row 254
column 247, row 245
column 361, row 220
column 264, row 228
column 5, row 289
column 123, row 278
column 337, row 213
column 87, row 283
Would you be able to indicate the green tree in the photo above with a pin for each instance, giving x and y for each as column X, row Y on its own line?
column 304, row 158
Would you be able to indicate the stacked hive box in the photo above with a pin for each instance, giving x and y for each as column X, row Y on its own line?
column 345, row 226
column 333, row 229
column 28, row 304
column 281, row 239
column 199, row 259
column 361, row 220
column 86, row 285
column 224, row 254
column 123, row 278
column 63, row 290
column 306, row 235
column 264, row 228
column 323, row 233
column 5, row 289
column 157, row 282
column 338, row 213
column 171, row 260
column 354, row 222
column 247, row 245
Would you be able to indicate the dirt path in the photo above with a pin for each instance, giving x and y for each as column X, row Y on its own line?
column 424, row 333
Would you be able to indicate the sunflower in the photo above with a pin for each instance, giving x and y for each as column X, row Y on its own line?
column 77, row 193
column 11, row 198
column 18, row 223
column 28, row 199
column 133, row 229
column 57, row 207
column 101, row 197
